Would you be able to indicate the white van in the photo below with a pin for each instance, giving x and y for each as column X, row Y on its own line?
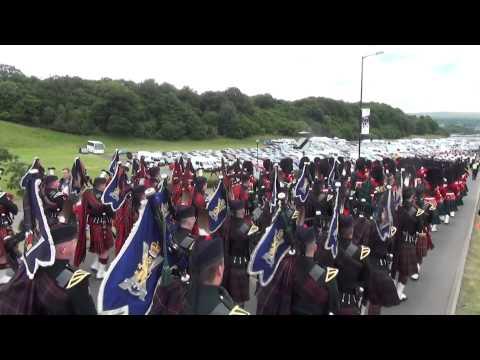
column 95, row 147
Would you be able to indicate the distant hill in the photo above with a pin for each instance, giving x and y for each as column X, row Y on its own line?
column 451, row 115
column 148, row 110
column 456, row 122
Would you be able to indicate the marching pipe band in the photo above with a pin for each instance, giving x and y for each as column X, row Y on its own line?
column 357, row 231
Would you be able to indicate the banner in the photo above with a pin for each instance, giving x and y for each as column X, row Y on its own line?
column 130, row 282
column 113, row 163
column 302, row 188
column 217, row 207
column 270, row 250
column 39, row 250
column 332, row 237
column 117, row 190
column 365, row 130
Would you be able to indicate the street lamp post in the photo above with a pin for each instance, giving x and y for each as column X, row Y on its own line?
column 257, row 152
column 361, row 103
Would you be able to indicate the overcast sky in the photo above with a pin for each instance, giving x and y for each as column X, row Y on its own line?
column 420, row 78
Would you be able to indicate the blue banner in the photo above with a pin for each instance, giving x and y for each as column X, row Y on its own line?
column 332, row 237
column 114, row 162
column 217, row 207
column 130, row 282
column 331, row 176
column 302, row 187
column 270, row 250
column 115, row 192
column 39, row 250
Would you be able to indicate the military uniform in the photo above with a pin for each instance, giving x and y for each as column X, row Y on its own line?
column 53, row 201
column 381, row 290
column 315, row 289
column 169, row 299
column 182, row 242
column 8, row 210
column 55, row 290
column 208, row 298
column 237, row 244
column 353, row 276
column 99, row 219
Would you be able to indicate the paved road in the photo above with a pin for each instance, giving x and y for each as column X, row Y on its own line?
column 431, row 294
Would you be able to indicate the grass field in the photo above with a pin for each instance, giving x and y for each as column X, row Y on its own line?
column 56, row 149
column 469, row 299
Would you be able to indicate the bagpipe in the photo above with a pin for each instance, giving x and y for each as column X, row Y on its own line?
column 13, row 255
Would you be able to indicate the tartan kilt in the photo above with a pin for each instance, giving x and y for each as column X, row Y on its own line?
column 406, row 260
column 101, row 240
column 422, row 246
column 459, row 201
column 442, row 209
column 381, row 288
column 169, row 300
column 237, row 283
column 450, row 205
column 3, row 234
column 436, row 217
column 346, row 309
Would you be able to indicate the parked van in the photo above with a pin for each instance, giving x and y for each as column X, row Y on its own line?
column 95, row 147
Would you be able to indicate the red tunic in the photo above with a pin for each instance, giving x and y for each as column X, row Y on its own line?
column 124, row 220
column 98, row 217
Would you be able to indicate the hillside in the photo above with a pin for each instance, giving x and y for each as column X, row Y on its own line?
column 58, row 150
column 148, row 110
column 456, row 122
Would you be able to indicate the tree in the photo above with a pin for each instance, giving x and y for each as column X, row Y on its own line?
column 146, row 109
column 264, row 101
column 14, row 169
column 228, row 120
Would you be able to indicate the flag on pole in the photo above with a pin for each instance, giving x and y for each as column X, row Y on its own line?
column 332, row 237
column 117, row 190
column 302, row 187
column 217, row 207
column 113, row 163
column 130, row 282
column 270, row 250
column 39, row 249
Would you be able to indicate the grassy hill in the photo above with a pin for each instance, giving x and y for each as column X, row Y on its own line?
column 57, row 149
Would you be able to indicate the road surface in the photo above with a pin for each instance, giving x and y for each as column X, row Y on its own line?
column 433, row 292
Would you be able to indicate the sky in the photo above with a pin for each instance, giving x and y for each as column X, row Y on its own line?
column 419, row 78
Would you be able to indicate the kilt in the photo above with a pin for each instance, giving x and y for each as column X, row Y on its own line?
column 3, row 234
column 436, row 217
column 405, row 262
column 442, row 209
column 374, row 309
column 450, row 205
column 381, row 287
column 276, row 297
column 422, row 246
column 40, row 296
column 101, row 239
column 346, row 309
column 169, row 300
column 237, row 282
column 459, row 201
